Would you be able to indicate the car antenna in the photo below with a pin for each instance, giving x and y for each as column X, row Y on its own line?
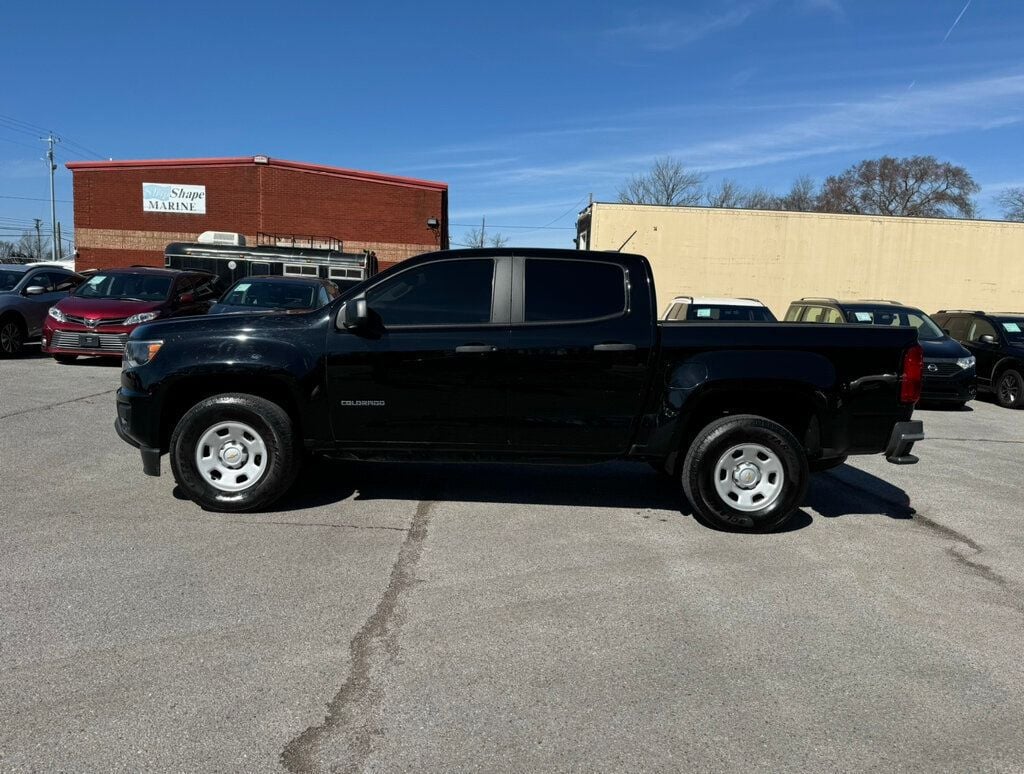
column 626, row 242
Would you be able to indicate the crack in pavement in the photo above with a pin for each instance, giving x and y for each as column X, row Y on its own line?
column 959, row 555
column 300, row 524
column 350, row 725
column 48, row 406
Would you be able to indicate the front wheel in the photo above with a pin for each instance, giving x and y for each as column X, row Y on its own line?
column 234, row 452
column 745, row 473
column 1010, row 389
column 12, row 336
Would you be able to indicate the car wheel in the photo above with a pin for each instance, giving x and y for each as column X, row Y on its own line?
column 234, row 452
column 745, row 473
column 65, row 359
column 12, row 336
column 1010, row 389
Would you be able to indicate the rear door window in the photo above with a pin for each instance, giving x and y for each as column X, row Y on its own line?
column 573, row 291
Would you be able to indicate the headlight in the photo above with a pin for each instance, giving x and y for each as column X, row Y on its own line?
column 57, row 314
column 141, row 317
column 967, row 362
column 140, row 352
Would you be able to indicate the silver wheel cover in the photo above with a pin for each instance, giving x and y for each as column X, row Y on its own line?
column 749, row 477
column 231, row 456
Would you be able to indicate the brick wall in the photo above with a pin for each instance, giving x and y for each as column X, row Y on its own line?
column 388, row 217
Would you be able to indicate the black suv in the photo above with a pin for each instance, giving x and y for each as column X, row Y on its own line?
column 997, row 341
column 949, row 369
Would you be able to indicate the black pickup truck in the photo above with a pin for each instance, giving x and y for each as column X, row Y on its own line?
column 529, row 355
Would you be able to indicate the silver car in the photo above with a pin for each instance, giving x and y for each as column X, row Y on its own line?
column 26, row 295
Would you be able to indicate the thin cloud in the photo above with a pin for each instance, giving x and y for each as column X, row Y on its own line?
column 676, row 32
column 924, row 112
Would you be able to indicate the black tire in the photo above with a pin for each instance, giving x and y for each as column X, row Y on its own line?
column 706, row 459
column 12, row 336
column 65, row 359
column 1009, row 389
column 273, row 429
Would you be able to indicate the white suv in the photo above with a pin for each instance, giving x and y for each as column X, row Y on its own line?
column 697, row 309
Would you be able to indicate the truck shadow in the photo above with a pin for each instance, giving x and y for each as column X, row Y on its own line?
column 845, row 491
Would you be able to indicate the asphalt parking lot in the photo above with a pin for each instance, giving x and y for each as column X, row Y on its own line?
column 493, row 618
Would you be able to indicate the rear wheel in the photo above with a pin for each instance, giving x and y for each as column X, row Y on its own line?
column 745, row 473
column 234, row 452
column 1010, row 389
column 12, row 336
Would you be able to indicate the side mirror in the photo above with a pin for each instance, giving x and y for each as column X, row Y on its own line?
column 354, row 314
column 988, row 338
column 186, row 298
column 34, row 290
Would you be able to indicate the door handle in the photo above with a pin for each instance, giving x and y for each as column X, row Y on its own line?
column 614, row 346
column 470, row 348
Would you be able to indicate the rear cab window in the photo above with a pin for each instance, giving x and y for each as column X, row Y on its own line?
column 573, row 290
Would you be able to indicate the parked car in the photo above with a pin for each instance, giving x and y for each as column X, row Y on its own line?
column 496, row 355
column 97, row 318
column 997, row 341
column 26, row 294
column 263, row 293
column 697, row 309
column 949, row 369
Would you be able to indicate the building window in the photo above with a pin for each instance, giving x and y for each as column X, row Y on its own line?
column 300, row 270
column 342, row 273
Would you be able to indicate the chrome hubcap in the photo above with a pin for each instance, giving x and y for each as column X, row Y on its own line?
column 231, row 456
column 749, row 477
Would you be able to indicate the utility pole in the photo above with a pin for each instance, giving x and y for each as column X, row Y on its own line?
column 39, row 239
column 483, row 231
column 50, row 139
column 60, row 244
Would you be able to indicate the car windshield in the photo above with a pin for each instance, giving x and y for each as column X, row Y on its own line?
column 1013, row 328
column 9, row 279
column 729, row 313
column 126, row 287
column 927, row 330
column 272, row 295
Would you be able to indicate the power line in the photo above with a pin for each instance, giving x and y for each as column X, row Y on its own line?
column 36, row 199
column 477, row 225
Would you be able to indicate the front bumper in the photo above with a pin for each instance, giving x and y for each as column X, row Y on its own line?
column 73, row 339
column 901, row 442
column 137, row 426
column 958, row 388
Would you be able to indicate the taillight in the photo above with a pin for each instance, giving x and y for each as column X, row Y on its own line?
column 913, row 371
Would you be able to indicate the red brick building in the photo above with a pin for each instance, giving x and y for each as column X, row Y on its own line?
column 128, row 211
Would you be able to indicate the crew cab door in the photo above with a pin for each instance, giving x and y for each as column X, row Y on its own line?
column 431, row 371
column 579, row 355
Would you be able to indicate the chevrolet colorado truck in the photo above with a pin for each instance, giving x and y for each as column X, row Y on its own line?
column 528, row 355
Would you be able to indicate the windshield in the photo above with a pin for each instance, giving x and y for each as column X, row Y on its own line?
column 272, row 295
column 729, row 313
column 927, row 330
column 1013, row 328
column 126, row 287
column 9, row 279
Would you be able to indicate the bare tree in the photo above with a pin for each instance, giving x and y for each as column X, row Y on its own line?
column 729, row 193
column 919, row 186
column 802, row 196
column 478, row 237
column 32, row 246
column 668, row 182
column 761, row 199
column 7, row 249
column 1012, row 202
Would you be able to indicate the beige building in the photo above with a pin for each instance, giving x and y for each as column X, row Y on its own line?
column 930, row 263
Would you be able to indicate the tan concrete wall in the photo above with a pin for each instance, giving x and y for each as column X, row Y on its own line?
column 780, row 256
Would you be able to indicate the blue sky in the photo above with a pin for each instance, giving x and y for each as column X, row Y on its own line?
column 523, row 108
